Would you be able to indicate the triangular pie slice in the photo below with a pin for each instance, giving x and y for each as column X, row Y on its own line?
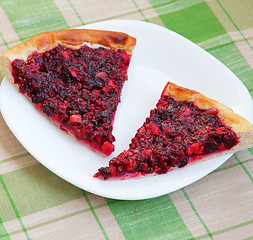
column 185, row 126
column 75, row 78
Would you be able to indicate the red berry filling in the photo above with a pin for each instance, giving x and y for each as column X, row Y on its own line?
column 77, row 89
column 175, row 133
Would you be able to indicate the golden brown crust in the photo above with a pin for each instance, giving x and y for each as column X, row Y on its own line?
column 242, row 127
column 73, row 38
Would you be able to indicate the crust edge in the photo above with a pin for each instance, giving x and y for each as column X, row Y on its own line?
column 237, row 122
column 6, row 69
column 72, row 38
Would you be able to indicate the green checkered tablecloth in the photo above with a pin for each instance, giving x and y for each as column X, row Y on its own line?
column 36, row 204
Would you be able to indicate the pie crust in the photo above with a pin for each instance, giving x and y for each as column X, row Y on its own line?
column 72, row 38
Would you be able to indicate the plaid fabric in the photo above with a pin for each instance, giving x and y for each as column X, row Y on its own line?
column 36, row 204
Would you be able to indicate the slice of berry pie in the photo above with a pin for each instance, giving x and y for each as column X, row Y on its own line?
column 185, row 126
column 75, row 78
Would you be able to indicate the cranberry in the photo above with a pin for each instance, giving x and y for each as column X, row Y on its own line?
column 107, row 148
column 75, row 119
column 78, row 88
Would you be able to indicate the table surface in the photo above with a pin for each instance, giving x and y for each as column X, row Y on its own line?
column 37, row 204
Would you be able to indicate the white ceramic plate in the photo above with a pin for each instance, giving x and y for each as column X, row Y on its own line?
column 160, row 56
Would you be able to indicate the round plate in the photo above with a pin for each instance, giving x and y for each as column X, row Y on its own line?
column 160, row 56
